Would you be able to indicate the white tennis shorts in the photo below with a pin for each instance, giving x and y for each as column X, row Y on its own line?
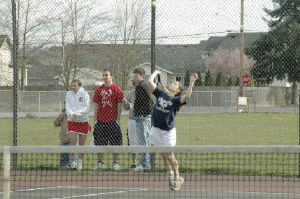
column 132, row 134
column 160, row 137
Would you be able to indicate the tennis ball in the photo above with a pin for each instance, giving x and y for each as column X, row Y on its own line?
column 153, row 3
column 195, row 75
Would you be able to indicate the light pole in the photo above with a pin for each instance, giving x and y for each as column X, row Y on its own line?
column 153, row 11
column 242, row 47
column 241, row 94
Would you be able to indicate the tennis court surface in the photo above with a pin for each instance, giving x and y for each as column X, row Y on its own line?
column 209, row 171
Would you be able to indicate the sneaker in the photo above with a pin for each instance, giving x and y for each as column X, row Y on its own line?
column 79, row 165
column 99, row 165
column 140, row 168
column 177, row 184
column 132, row 166
column 171, row 180
column 116, row 166
column 73, row 164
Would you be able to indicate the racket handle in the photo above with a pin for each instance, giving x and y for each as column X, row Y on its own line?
column 158, row 78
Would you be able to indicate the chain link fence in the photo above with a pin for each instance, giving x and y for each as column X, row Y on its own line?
column 46, row 104
column 247, row 48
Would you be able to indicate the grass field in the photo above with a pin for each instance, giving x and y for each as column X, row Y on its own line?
column 204, row 129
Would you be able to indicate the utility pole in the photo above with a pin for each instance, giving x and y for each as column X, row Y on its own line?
column 153, row 10
column 241, row 94
column 16, row 76
column 63, row 45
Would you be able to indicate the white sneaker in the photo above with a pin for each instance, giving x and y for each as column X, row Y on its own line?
column 171, row 180
column 140, row 168
column 99, row 165
column 79, row 165
column 177, row 184
column 73, row 164
column 116, row 166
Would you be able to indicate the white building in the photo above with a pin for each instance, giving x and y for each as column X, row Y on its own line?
column 87, row 76
column 6, row 69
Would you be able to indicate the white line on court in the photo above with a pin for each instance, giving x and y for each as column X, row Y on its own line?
column 140, row 189
column 39, row 188
column 96, row 194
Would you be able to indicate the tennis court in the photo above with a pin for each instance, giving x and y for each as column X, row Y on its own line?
column 209, row 171
column 63, row 192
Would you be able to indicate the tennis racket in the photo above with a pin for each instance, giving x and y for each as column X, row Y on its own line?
column 159, row 84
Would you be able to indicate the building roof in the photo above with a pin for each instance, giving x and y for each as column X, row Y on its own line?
column 172, row 58
column 5, row 38
column 230, row 41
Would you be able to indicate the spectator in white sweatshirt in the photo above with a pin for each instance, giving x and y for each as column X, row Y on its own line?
column 77, row 108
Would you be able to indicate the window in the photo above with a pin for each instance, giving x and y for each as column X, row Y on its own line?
column 179, row 79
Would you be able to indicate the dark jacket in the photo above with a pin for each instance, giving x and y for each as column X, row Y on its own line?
column 143, row 104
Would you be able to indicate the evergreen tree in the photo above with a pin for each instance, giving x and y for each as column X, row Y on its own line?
column 219, row 79
column 199, row 80
column 208, row 79
column 237, row 81
column 187, row 77
column 277, row 52
column 229, row 81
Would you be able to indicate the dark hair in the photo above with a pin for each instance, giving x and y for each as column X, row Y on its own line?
column 140, row 71
column 180, row 87
column 76, row 81
column 108, row 70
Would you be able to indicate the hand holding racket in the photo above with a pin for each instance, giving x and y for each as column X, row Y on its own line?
column 159, row 84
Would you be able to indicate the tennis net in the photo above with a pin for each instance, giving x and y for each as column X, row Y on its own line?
column 209, row 172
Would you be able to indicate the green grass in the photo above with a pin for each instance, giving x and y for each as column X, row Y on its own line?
column 204, row 129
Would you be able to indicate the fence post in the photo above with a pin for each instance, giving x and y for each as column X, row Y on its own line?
column 39, row 104
column 211, row 98
column 59, row 101
column 197, row 99
column 6, row 172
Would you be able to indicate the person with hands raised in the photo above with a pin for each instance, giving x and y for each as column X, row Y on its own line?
column 163, row 131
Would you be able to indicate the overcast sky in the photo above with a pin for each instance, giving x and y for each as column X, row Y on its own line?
column 203, row 18
column 187, row 21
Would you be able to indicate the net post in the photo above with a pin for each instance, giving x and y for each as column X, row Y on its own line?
column 6, row 172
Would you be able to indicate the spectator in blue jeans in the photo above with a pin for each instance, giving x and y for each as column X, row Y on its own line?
column 64, row 138
column 142, row 112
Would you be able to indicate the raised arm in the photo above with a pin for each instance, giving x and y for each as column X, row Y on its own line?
column 151, row 80
column 188, row 93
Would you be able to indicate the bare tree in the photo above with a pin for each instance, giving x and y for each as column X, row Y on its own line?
column 130, row 27
column 80, row 23
column 33, row 16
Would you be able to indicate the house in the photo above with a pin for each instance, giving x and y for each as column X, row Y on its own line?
column 166, row 77
column 6, row 69
column 175, row 59
column 87, row 76
column 230, row 41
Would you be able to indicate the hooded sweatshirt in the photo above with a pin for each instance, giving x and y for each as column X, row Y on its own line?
column 78, row 104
